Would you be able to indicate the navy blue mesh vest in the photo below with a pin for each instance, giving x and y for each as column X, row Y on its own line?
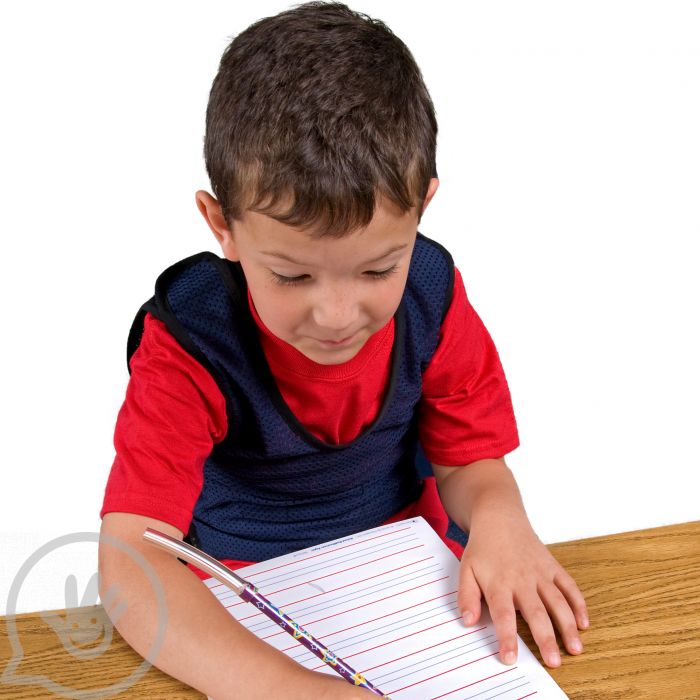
column 270, row 486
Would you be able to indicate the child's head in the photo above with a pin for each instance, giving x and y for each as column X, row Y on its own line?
column 320, row 146
column 314, row 113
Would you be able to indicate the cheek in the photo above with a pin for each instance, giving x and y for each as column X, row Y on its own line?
column 384, row 302
column 280, row 310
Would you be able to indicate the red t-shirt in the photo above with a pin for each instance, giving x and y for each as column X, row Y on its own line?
column 174, row 412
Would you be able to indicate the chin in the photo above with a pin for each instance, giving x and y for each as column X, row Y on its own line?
column 332, row 356
column 335, row 357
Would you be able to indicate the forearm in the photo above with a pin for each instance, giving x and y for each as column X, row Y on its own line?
column 203, row 645
column 476, row 494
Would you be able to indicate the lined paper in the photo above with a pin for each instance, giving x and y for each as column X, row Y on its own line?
column 385, row 601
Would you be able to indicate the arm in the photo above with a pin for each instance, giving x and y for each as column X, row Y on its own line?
column 172, row 416
column 204, row 646
column 506, row 562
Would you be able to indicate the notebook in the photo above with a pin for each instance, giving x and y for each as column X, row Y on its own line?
column 385, row 601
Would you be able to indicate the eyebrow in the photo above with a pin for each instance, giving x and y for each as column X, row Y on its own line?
column 284, row 256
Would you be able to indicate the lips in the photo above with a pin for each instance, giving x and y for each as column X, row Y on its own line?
column 337, row 343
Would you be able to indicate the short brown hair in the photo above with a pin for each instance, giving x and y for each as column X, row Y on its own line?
column 314, row 113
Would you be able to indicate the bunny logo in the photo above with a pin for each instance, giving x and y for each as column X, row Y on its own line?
column 78, row 630
column 85, row 631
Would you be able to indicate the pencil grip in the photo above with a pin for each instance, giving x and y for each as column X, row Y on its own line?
column 251, row 594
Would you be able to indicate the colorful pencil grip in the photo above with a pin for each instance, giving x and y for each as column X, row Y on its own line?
column 251, row 594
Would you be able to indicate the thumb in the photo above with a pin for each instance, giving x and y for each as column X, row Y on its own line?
column 469, row 596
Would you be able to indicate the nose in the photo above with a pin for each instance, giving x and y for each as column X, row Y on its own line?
column 336, row 309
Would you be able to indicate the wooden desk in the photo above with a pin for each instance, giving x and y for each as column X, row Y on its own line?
column 643, row 594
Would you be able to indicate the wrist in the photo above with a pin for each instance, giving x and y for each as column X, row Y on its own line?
column 483, row 492
column 492, row 516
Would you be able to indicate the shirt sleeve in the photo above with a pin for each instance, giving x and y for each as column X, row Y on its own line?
column 172, row 416
column 466, row 412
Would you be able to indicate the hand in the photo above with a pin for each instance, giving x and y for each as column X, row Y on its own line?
column 506, row 562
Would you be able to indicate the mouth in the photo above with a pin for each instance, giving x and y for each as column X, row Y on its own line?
column 337, row 343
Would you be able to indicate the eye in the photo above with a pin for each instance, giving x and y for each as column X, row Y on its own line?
column 288, row 281
column 382, row 274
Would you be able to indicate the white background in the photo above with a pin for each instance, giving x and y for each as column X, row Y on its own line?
column 569, row 155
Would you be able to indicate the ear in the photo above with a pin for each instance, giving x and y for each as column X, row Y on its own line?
column 432, row 189
column 210, row 209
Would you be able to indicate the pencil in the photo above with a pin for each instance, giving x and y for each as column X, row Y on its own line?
column 248, row 592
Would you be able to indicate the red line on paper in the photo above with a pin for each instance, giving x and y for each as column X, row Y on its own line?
column 381, row 617
column 342, row 571
column 362, row 580
column 329, row 551
column 335, row 573
column 333, row 590
column 378, row 600
column 449, row 670
column 398, row 658
column 522, row 697
column 481, row 680
column 313, row 556
column 364, row 605
column 398, row 639
column 354, row 583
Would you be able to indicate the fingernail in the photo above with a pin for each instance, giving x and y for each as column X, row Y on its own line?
column 584, row 621
column 553, row 660
column 576, row 646
column 509, row 658
column 468, row 617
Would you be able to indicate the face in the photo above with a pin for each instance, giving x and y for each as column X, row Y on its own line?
column 324, row 296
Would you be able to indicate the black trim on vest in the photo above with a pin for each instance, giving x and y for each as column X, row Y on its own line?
column 158, row 307
column 451, row 265
column 136, row 333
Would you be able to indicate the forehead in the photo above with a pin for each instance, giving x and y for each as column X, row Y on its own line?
column 389, row 232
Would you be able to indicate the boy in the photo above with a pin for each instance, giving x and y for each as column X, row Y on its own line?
column 277, row 396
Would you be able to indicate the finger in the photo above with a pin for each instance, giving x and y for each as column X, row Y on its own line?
column 537, row 618
column 502, row 611
column 469, row 596
column 573, row 595
column 560, row 611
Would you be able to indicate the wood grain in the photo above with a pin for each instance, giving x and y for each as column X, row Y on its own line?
column 642, row 589
column 643, row 595
column 44, row 655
